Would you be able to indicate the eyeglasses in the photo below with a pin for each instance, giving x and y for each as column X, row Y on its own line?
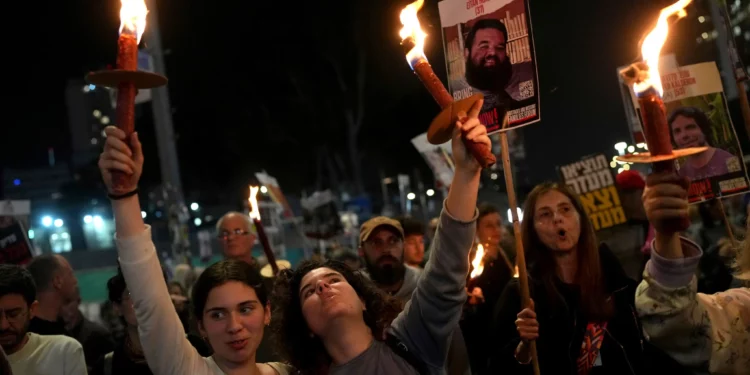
column 237, row 232
column 15, row 315
column 546, row 215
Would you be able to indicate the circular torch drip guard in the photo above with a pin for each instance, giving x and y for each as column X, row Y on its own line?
column 646, row 157
column 267, row 270
column 441, row 128
column 113, row 78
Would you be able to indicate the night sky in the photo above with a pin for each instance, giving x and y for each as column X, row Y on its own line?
column 254, row 84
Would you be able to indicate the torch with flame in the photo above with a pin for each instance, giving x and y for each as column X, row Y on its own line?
column 255, row 216
column 441, row 129
column 126, row 78
column 478, row 262
column 646, row 81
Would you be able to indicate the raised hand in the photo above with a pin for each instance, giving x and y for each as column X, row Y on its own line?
column 469, row 125
column 117, row 156
column 665, row 201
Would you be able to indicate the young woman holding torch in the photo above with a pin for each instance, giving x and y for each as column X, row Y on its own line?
column 705, row 333
column 230, row 302
column 330, row 320
column 583, row 315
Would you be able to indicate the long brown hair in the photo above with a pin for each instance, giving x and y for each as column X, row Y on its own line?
column 589, row 278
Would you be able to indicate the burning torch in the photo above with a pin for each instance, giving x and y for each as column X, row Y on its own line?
column 255, row 216
column 646, row 81
column 441, row 128
column 477, row 267
column 126, row 78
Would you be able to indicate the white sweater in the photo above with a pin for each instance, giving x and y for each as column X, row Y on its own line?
column 167, row 350
column 48, row 355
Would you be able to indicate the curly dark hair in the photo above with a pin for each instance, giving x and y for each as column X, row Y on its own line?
column 293, row 338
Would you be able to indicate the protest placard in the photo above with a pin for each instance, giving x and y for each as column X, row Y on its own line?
column 593, row 181
column 698, row 116
column 489, row 49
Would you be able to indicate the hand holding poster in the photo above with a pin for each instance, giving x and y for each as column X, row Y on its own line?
column 489, row 49
column 698, row 116
column 591, row 179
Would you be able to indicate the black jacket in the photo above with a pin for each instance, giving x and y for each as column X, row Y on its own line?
column 561, row 329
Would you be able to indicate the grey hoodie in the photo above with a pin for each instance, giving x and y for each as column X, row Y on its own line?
column 430, row 317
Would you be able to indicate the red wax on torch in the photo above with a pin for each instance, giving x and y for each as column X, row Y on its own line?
column 655, row 127
column 646, row 80
column 127, row 59
column 423, row 70
column 656, row 130
column 412, row 39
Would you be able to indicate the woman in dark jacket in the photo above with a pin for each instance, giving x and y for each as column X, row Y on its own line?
column 583, row 317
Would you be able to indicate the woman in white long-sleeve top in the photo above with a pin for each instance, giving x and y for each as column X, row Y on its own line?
column 230, row 300
column 708, row 333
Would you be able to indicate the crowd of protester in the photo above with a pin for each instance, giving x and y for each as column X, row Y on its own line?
column 639, row 298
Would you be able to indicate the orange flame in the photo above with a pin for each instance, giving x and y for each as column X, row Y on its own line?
column 653, row 43
column 254, row 211
column 478, row 262
column 133, row 17
column 412, row 29
column 515, row 273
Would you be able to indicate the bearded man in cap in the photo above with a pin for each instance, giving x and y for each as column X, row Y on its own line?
column 381, row 245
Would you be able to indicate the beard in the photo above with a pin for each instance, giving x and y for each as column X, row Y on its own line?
column 387, row 274
column 494, row 78
column 18, row 337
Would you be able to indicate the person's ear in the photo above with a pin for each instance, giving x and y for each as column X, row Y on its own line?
column 202, row 330
column 32, row 309
column 57, row 281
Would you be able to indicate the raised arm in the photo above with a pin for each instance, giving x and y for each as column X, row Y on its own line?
column 162, row 335
column 430, row 317
column 700, row 331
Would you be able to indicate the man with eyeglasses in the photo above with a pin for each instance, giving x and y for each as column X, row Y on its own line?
column 236, row 234
column 30, row 353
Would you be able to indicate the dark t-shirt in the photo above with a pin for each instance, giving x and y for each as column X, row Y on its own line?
column 45, row 327
column 94, row 338
column 122, row 364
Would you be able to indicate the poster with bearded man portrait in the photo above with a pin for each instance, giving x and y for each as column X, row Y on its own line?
column 489, row 49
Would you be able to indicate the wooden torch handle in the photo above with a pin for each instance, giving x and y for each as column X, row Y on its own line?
column 480, row 151
column 127, row 59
